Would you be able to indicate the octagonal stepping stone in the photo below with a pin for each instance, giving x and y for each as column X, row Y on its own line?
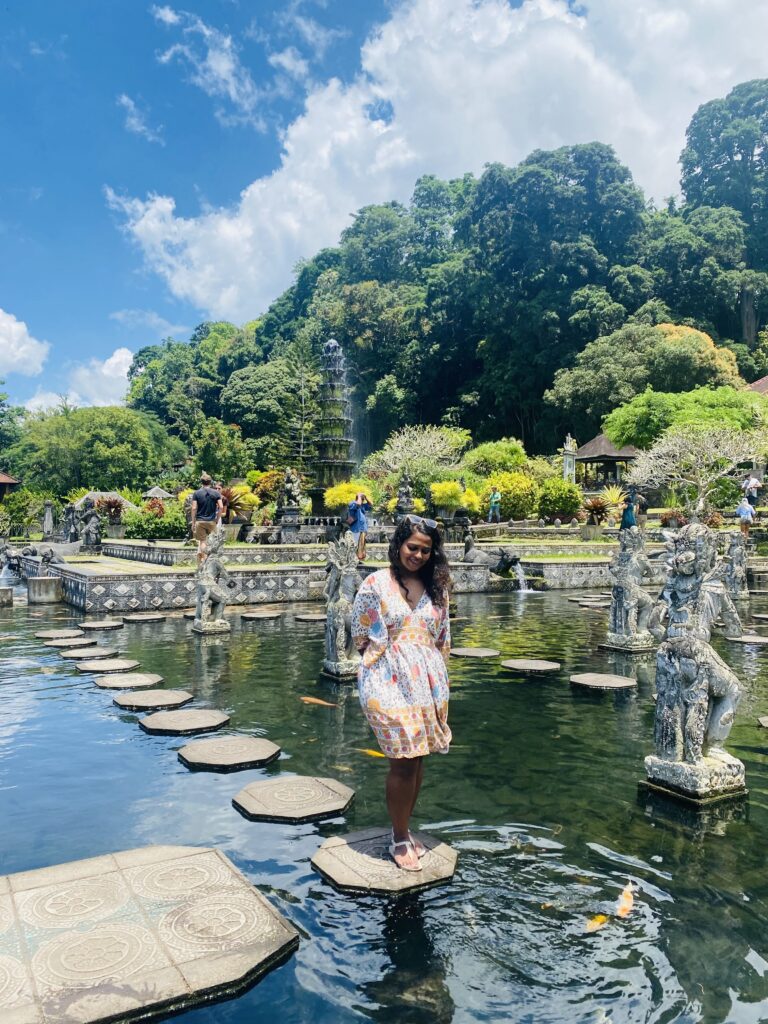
column 102, row 624
column 474, row 652
column 293, row 799
column 128, row 681
column 152, row 700
column 250, row 616
column 190, row 615
column 531, row 666
column 107, row 665
column 184, row 723
column 360, row 862
column 74, row 641
column 228, row 753
column 753, row 639
column 90, row 652
column 59, row 634
column 603, row 681
column 763, row 721
column 755, row 615
column 145, row 617
column 311, row 617
column 140, row 933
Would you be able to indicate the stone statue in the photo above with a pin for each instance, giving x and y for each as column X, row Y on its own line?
column 631, row 607
column 498, row 558
column 736, row 568
column 91, row 528
column 69, row 530
column 404, row 505
column 570, row 444
column 49, row 557
column 210, row 581
column 47, row 520
column 341, row 656
column 696, row 692
column 187, row 508
column 292, row 496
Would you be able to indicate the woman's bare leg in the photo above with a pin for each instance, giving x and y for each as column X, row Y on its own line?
column 401, row 790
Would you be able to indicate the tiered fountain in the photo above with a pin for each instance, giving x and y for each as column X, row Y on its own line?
column 333, row 463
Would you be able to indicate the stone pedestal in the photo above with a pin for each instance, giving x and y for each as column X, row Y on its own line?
column 90, row 549
column 346, row 669
column 44, row 589
column 288, row 519
column 6, row 597
column 211, row 626
column 715, row 777
column 638, row 643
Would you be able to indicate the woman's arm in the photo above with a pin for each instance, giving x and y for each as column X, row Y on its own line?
column 366, row 613
column 443, row 641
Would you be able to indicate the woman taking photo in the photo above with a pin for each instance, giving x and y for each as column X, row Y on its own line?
column 400, row 625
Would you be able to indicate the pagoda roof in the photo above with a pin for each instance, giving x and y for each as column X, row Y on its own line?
column 601, row 449
column 6, row 479
column 760, row 386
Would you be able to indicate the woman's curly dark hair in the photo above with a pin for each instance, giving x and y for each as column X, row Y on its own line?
column 435, row 574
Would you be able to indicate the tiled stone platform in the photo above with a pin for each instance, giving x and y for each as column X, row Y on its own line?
column 138, row 934
column 360, row 862
column 228, row 753
column 294, row 799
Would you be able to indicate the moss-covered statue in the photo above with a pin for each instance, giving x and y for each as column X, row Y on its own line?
column 211, row 581
column 341, row 656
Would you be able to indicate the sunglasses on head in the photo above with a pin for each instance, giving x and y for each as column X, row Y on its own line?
column 420, row 521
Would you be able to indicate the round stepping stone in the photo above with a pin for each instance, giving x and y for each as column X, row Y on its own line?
column 603, row 681
column 475, row 652
column 296, row 798
column 107, row 665
column 261, row 615
column 360, row 862
column 753, row 639
column 74, row 641
column 152, row 700
column 128, row 681
column 531, row 665
column 90, row 652
column 311, row 617
column 184, row 723
column 59, row 634
column 145, row 617
column 102, row 624
column 228, row 753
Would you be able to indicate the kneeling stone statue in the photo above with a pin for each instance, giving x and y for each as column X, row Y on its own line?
column 210, row 580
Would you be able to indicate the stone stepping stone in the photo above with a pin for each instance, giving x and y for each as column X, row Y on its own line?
column 145, row 617
column 293, row 799
column 250, row 616
column 753, row 639
column 152, row 700
column 360, row 862
column 90, row 652
column 59, row 634
column 74, row 641
column 102, row 624
column 531, row 665
column 763, row 721
column 603, row 681
column 190, row 615
column 311, row 617
column 755, row 615
column 475, row 652
column 107, row 665
column 140, row 933
column 229, row 753
column 128, row 681
column 184, row 723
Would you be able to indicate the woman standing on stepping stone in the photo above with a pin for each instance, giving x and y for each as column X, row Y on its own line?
column 400, row 625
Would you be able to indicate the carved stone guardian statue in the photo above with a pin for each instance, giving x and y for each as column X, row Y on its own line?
column 631, row 607
column 404, row 504
column 697, row 693
column 341, row 656
column 91, row 529
column 48, row 520
column 736, row 568
column 211, row 579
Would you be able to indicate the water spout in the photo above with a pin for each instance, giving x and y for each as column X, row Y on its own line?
column 522, row 583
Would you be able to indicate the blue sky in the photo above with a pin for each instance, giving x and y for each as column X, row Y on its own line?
column 170, row 163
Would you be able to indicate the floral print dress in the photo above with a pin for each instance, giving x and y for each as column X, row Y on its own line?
column 403, row 678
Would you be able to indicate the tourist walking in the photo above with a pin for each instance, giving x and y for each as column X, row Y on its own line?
column 750, row 485
column 642, row 511
column 357, row 522
column 207, row 510
column 628, row 514
column 745, row 513
column 400, row 626
column 494, row 505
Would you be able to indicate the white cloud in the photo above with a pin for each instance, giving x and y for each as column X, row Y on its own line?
column 138, row 319
column 43, row 400
column 214, row 65
column 102, row 381
column 316, row 36
column 136, row 121
column 19, row 351
column 468, row 81
column 290, row 61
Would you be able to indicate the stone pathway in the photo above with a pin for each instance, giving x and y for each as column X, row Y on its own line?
column 59, row 634
column 155, row 929
column 107, row 665
column 311, row 617
column 152, row 700
column 128, row 681
column 81, row 640
column 79, row 653
column 184, row 723
column 603, row 681
column 294, row 799
column 250, row 616
column 360, row 862
column 229, row 753
column 145, row 617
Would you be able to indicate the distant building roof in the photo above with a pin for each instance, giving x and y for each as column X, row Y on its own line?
column 95, row 495
column 5, row 479
column 760, row 386
column 600, row 448
column 156, row 492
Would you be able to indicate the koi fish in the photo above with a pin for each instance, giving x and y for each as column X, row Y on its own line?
column 594, row 924
column 626, row 901
column 368, row 751
column 316, row 700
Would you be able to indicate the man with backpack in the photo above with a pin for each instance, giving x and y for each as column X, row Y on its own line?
column 357, row 523
column 207, row 510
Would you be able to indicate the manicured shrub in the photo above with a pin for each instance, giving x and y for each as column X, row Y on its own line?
column 447, row 494
column 559, row 499
column 495, row 457
column 519, row 494
column 145, row 524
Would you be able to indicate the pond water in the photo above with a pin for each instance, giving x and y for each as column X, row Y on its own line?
column 539, row 795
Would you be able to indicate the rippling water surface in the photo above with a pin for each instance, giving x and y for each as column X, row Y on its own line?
column 539, row 796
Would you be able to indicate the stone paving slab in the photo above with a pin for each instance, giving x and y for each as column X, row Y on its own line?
column 128, row 681
column 143, row 933
column 79, row 653
column 360, row 862
column 81, row 640
column 184, row 723
column 532, row 665
column 311, row 617
column 262, row 615
column 145, row 617
column 107, row 665
column 753, row 639
column 101, row 624
column 152, row 700
column 59, row 634
column 755, row 615
column 603, row 681
column 229, row 753
column 474, row 652
column 293, row 799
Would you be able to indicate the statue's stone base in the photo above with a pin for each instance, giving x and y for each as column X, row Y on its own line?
column 211, row 626
column 712, row 778
column 90, row 549
column 44, row 589
column 637, row 644
column 341, row 669
column 6, row 597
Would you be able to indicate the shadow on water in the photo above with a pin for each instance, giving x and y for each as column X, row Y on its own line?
column 539, row 796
